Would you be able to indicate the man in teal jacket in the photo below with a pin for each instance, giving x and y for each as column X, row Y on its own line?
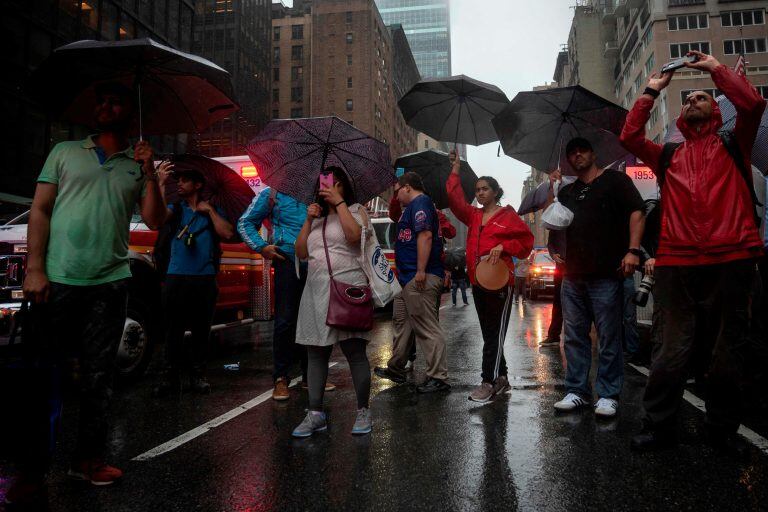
column 286, row 216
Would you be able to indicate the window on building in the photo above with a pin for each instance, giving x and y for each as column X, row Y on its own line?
column 276, row 55
column 638, row 83
column 648, row 37
column 688, row 22
column 763, row 90
column 349, row 105
column 349, row 16
column 654, row 117
column 349, row 37
column 297, row 31
column 275, row 94
column 297, row 72
column 275, row 74
column 349, row 60
column 737, row 46
column 297, row 112
column 741, row 18
column 681, row 49
column 349, row 82
column 297, row 52
column 297, row 94
column 276, row 33
column 685, row 92
column 648, row 68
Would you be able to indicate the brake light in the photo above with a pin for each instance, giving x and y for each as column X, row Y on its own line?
column 249, row 171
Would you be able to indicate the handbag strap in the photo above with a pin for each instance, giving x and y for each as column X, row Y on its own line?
column 325, row 246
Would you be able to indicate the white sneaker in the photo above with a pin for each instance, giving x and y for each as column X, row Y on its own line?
column 570, row 402
column 606, row 407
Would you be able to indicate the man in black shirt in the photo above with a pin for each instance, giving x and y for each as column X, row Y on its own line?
column 603, row 243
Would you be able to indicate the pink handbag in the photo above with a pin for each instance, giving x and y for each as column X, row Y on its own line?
column 350, row 307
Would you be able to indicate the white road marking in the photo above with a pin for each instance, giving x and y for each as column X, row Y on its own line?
column 210, row 425
column 750, row 435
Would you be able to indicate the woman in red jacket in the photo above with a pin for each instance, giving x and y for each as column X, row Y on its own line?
column 498, row 233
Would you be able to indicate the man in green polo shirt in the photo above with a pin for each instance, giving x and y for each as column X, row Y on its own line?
column 77, row 278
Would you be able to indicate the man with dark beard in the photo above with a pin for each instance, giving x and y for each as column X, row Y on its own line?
column 707, row 253
column 77, row 281
column 603, row 242
column 195, row 230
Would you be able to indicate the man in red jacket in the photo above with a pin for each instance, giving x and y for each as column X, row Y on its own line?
column 707, row 249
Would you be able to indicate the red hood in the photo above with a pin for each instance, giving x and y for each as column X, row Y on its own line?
column 715, row 123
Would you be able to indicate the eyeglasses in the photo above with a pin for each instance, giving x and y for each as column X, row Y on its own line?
column 583, row 194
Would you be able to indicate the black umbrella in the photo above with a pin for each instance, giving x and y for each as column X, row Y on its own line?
column 291, row 153
column 223, row 188
column 434, row 167
column 458, row 109
column 176, row 92
column 537, row 125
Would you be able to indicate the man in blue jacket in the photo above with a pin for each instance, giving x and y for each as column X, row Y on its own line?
column 286, row 216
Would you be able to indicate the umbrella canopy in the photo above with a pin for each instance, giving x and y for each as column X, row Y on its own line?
column 434, row 167
column 537, row 198
column 537, row 125
column 458, row 109
column 224, row 188
column 456, row 257
column 290, row 154
column 176, row 92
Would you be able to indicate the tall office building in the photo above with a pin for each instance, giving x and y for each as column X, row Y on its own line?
column 30, row 32
column 235, row 34
column 427, row 25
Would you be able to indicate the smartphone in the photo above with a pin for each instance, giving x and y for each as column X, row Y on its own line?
column 326, row 180
column 399, row 171
column 678, row 63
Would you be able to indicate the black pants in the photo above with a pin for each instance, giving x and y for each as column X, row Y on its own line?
column 679, row 293
column 288, row 290
column 80, row 322
column 493, row 311
column 189, row 303
column 556, row 324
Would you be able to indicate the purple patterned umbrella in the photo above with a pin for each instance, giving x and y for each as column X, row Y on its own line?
column 291, row 153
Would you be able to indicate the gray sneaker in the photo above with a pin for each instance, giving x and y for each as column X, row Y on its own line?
column 363, row 423
column 313, row 422
column 501, row 385
column 482, row 393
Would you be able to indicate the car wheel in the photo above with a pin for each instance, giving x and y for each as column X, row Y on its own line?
column 136, row 344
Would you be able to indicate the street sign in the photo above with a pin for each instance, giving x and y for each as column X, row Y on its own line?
column 645, row 181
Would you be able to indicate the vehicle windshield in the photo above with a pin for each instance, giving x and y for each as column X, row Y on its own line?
column 543, row 258
column 20, row 220
column 385, row 232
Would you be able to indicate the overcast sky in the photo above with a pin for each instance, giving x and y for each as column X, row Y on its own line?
column 512, row 44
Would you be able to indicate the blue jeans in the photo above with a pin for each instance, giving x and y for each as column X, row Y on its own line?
column 600, row 301
column 457, row 284
column 288, row 290
column 631, row 339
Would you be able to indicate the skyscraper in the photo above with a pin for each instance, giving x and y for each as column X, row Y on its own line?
column 427, row 25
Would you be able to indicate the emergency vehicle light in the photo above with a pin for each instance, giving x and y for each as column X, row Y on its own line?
column 249, row 171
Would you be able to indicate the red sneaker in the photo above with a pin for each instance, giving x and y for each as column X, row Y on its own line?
column 26, row 493
column 95, row 471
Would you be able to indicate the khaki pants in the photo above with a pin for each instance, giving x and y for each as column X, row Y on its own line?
column 413, row 311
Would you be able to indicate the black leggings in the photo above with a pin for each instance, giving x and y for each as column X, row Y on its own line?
column 317, row 371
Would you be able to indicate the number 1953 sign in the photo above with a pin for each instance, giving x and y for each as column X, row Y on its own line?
column 645, row 181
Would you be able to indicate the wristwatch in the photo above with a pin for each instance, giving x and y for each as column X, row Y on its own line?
column 637, row 252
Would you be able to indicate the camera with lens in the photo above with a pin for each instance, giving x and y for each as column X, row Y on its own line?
column 643, row 290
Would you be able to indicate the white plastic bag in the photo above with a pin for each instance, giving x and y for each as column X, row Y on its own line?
column 557, row 217
column 381, row 276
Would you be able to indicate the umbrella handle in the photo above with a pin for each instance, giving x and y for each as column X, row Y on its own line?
column 141, row 121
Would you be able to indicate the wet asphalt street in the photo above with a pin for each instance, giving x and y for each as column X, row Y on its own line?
column 434, row 452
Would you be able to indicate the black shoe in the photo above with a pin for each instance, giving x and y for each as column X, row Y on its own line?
column 198, row 384
column 549, row 342
column 169, row 383
column 431, row 385
column 386, row 373
column 649, row 440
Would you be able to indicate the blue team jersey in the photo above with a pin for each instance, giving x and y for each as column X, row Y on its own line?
column 418, row 216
